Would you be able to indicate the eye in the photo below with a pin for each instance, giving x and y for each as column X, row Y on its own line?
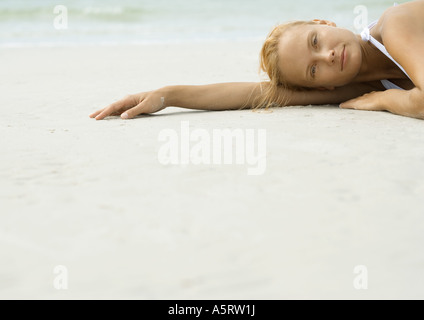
column 315, row 41
column 313, row 71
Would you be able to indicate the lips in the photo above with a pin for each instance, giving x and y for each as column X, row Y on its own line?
column 342, row 58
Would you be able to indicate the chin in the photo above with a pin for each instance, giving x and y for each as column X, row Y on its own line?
column 344, row 83
column 356, row 61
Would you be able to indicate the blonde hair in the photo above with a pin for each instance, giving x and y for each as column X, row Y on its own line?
column 269, row 64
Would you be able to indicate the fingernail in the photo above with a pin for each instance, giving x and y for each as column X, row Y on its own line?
column 124, row 115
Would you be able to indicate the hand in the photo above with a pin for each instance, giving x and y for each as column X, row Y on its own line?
column 133, row 105
column 369, row 101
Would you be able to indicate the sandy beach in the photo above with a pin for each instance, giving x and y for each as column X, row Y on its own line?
column 342, row 188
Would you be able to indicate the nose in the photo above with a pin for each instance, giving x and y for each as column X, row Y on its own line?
column 328, row 56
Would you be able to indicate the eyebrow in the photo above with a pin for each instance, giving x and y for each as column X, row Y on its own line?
column 308, row 67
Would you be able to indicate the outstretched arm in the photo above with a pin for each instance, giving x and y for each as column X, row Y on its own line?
column 221, row 96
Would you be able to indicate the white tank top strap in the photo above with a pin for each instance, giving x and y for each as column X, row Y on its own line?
column 390, row 85
column 366, row 36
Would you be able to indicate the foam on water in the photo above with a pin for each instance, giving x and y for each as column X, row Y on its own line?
column 31, row 22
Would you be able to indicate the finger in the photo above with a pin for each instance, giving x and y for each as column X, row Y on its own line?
column 96, row 113
column 116, row 113
column 138, row 109
column 369, row 107
column 116, row 107
column 350, row 104
column 347, row 104
column 108, row 111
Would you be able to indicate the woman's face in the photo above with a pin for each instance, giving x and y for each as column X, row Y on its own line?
column 319, row 55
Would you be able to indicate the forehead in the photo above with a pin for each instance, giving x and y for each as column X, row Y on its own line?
column 293, row 54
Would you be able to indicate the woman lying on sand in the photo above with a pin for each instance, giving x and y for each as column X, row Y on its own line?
column 315, row 62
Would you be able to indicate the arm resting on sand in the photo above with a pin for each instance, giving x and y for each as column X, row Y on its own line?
column 237, row 95
column 409, row 103
column 220, row 96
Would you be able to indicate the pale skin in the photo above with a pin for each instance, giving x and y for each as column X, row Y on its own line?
column 356, row 85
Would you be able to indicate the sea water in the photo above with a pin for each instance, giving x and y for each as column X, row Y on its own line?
column 97, row 22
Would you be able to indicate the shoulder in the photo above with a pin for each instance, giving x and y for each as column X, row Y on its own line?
column 402, row 33
column 411, row 8
column 401, row 21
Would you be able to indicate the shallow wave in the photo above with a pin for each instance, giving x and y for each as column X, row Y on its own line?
column 30, row 22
